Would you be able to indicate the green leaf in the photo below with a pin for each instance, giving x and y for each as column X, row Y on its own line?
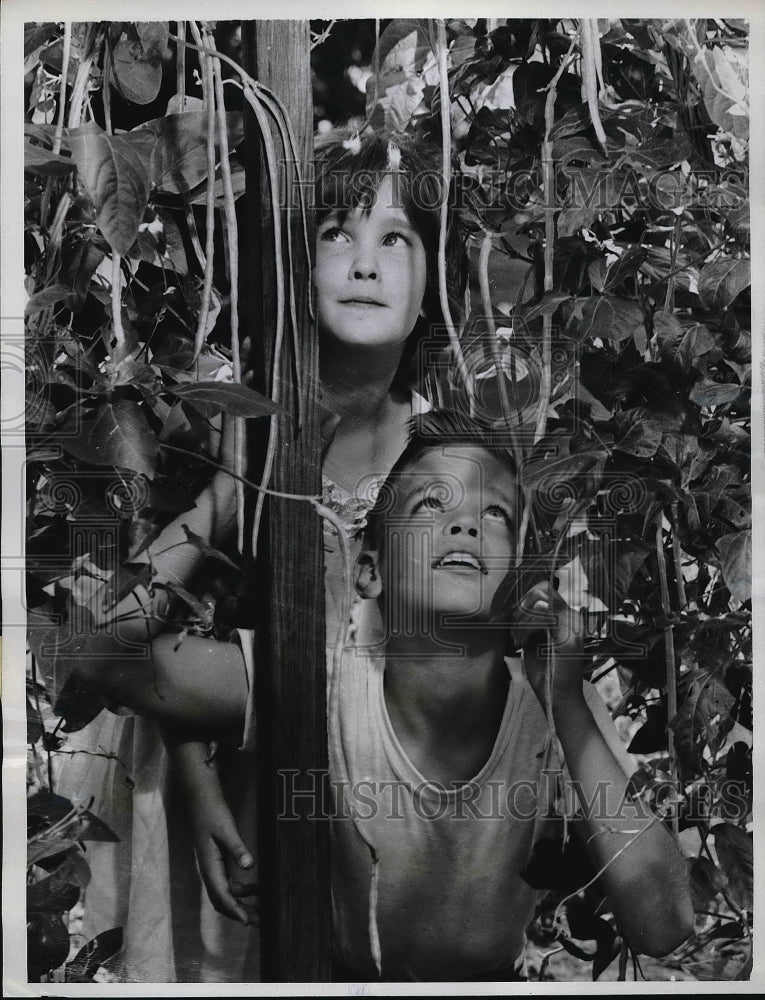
column 37, row 34
column 628, row 558
column 652, row 735
column 115, row 172
column 642, row 439
column 49, row 806
column 53, row 894
column 137, row 64
column 119, row 435
column 92, row 955
column 234, row 399
column 736, row 562
column 204, row 546
column 238, row 184
column 47, row 944
column 697, row 342
column 90, row 827
column 705, row 881
column 179, row 157
column 42, row 161
column 724, row 80
column 607, row 317
column 669, row 332
column 48, row 847
column 546, row 305
column 721, row 281
column 708, row 393
column 35, row 728
column 48, row 297
column 734, row 849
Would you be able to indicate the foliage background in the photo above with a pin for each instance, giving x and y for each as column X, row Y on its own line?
column 609, row 236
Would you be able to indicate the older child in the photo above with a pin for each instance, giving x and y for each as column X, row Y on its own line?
column 376, row 293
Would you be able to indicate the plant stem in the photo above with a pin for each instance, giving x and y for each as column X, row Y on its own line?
column 446, row 163
column 273, row 175
column 80, row 88
column 204, row 310
column 232, row 232
column 548, row 182
column 682, row 600
column 180, row 67
column 106, row 90
column 67, row 47
column 669, row 652
column 119, row 334
column 589, row 40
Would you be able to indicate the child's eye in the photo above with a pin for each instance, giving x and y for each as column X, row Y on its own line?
column 332, row 234
column 394, row 239
column 428, row 503
column 498, row 513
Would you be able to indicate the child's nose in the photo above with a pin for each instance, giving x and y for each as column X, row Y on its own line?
column 463, row 525
column 364, row 265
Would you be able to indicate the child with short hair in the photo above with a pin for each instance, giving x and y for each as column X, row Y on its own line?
column 437, row 740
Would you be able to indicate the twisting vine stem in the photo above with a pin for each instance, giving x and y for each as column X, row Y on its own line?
column 201, row 333
column 232, row 232
column 67, row 48
column 180, row 68
column 446, row 168
column 273, row 177
column 669, row 652
column 589, row 41
column 80, row 88
column 119, row 334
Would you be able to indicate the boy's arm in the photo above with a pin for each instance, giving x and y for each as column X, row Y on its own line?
column 643, row 871
column 213, row 830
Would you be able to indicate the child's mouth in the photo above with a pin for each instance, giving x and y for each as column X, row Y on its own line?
column 459, row 560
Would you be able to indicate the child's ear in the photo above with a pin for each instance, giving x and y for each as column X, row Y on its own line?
column 367, row 576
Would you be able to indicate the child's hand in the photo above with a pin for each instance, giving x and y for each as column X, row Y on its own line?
column 218, row 845
column 544, row 620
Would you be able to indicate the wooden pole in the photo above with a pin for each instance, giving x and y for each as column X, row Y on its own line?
column 295, row 919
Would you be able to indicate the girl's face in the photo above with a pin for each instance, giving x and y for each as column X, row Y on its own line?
column 370, row 274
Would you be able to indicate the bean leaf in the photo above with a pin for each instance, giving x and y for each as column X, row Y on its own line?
column 722, row 281
column 137, row 65
column 92, row 955
column 42, row 161
column 734, row 849
column 115, row 172
column 119, row 435
column 736, row 561
column 207, row 549
column 229, row 397
column 607, row 317
column 179, row 157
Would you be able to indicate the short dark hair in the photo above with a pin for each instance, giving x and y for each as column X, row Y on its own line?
column 433, row 429
column 349, row 172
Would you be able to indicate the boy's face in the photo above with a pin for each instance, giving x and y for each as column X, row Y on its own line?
column 450, row 537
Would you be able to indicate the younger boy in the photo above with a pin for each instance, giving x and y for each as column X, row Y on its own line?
column 437, row 741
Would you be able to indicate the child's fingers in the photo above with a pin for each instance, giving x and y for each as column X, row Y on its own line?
column 542, row 608
column 213, row 872
column 229, row 839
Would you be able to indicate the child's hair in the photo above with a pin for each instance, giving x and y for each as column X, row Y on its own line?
column 426, row 431
column 348, row 174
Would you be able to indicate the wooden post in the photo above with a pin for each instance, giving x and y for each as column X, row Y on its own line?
column 295, row 918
